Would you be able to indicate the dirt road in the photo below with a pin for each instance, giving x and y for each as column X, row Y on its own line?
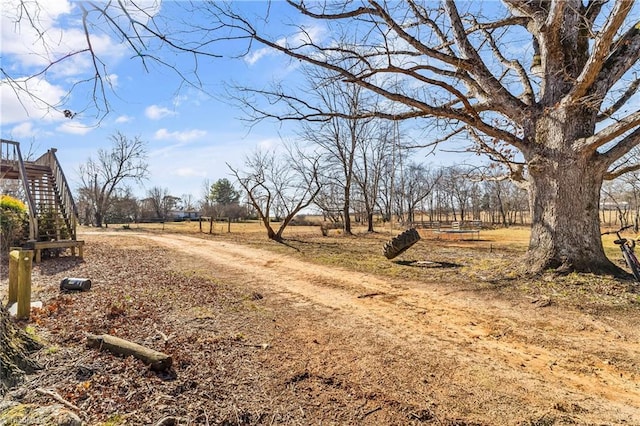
column 442, row 353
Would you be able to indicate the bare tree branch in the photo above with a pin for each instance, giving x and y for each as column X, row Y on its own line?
column 602, row 48
column 609, row 133
column 628, row 94
column 621, row 171
column 622, row 147
column 515, row 108
column 625, row 53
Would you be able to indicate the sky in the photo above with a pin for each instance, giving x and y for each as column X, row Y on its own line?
column 191, row 134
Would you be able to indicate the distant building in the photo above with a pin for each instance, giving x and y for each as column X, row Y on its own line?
column 183, row 214
column 608, row 205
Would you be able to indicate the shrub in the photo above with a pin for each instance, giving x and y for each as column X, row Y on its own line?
column 14, row 222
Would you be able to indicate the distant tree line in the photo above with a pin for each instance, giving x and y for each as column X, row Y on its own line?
column 343, row 172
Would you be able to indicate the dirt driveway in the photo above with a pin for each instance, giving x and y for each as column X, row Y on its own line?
column 323, row 345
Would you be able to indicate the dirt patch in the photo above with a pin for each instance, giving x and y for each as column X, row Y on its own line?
column 267, row 337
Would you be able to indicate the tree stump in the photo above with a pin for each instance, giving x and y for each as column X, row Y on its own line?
column 15, row 346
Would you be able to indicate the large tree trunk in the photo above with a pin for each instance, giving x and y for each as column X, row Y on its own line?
column 97, row 222
column 564, row 194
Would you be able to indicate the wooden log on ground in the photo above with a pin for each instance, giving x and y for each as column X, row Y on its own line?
column 157, row 360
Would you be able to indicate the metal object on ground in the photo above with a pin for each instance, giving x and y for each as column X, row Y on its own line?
column 82, row 284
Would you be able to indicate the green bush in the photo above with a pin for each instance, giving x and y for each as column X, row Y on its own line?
column 14, row 222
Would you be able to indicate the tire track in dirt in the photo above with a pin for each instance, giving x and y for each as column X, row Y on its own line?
column 548, row 350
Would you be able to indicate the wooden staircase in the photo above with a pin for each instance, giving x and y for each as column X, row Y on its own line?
column 52, row 211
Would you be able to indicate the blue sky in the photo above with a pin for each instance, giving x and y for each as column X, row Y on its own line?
column 191, row 134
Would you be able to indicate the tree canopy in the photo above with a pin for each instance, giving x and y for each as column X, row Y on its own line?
column 223, row 193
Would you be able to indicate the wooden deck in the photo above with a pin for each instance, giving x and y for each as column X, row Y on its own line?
column 38, row 246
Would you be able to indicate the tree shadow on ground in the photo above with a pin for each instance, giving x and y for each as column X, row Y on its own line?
column 55, row 265
column 289, row 244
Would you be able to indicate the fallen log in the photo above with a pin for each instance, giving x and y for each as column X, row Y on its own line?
column 157, row 360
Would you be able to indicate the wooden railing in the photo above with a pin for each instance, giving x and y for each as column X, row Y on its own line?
column 11, row 155
column 70, row 210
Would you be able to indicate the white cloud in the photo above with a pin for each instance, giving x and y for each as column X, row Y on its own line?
column 24, row 99
column 178, row 100
column 142, row 10
column 39, row 41
column 268, row 144
column 255, row 56
column 74, row 128
column 181, row 137
column 155, row 112
column 124, row 119
column 23, row 130
column 39, row 34
column 263, row 52
column 112, row 79
column 189, row 172
column 308, row 34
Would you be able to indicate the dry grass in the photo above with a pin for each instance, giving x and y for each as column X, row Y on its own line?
column 445, row 334
column 489, row 263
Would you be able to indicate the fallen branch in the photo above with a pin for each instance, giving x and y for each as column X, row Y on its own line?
column 58, row 398
column 371, row 411
column 364, row 296
column 157, row 360
column 260, row 346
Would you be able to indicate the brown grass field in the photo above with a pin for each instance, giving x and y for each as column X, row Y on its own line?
column 325, row 330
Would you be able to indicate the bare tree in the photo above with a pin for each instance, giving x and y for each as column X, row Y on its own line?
column 206, row 209
column 339, row 139
column 161, row 202
column 419, row 181
column 188, row 202
column 632, row 183
column 328, row 200
column 459, row 186
column 275, row 183
column 373, row 154
column 558, row 114
column 500, row 200
column 124, row 207
column 567, row 116
column 100, row 177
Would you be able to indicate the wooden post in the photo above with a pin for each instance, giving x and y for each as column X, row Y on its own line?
column 24, row 284
column 229, row 225
column 14, row 257
column 211, row 225
column 200, row 223
column 20, row 281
